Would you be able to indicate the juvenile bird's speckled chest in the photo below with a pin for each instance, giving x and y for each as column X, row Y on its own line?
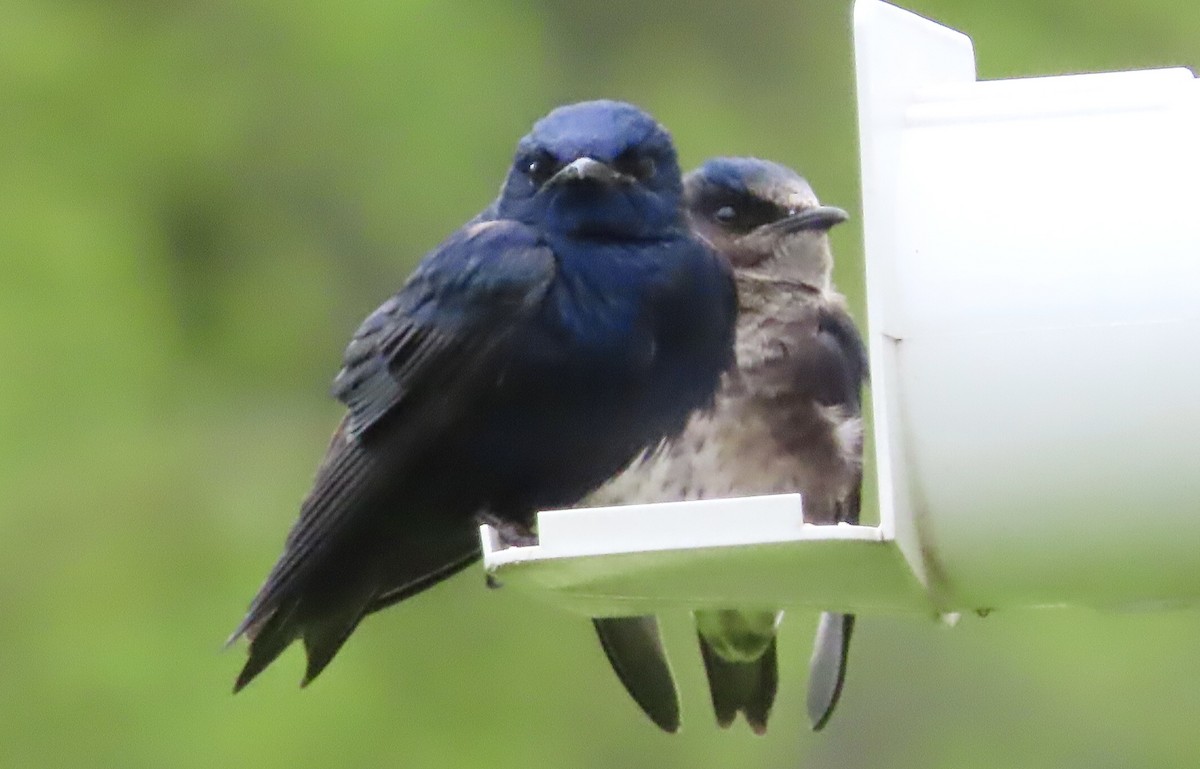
column 768, row 432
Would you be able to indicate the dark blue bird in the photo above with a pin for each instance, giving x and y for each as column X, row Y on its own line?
column 573, row 324
column 788, row 418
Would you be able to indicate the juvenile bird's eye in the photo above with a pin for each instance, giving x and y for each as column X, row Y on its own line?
column 746, row 213
column 632, row 163
column 540, row 168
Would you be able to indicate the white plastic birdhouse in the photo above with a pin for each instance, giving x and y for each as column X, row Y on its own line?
column 1033, row 297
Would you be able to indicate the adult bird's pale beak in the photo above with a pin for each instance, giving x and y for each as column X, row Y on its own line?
column 586, row 169
column 816, row 218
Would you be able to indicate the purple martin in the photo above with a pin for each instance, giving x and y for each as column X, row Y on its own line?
column 787, row 419
column 530, row 357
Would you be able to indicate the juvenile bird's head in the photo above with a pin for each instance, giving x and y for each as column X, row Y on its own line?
column 764, row 217
column 597, row 169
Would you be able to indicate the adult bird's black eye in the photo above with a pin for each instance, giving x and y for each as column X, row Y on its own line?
column 725, row 214
column 540, row 168
column 631, row 163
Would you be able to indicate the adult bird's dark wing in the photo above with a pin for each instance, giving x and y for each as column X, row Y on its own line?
column 413, row 368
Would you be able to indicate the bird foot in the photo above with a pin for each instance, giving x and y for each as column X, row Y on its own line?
column 512, row 534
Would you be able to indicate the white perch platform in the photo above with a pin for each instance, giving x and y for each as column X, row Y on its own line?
column 1033, row 299
column 753, row 551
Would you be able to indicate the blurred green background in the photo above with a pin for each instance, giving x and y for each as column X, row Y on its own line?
column 199, row 201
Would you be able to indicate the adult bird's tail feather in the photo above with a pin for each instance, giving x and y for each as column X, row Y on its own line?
column 827, row 669
column 634, row 648
column 748, row 686
column 323, row 621
column 268, row 640
column 324, row 637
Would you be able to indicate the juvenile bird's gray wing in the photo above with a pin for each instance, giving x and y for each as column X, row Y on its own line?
column 823, row 362
column 847, row 366
column 838, row 367
column 634, row 648
column 412, row 369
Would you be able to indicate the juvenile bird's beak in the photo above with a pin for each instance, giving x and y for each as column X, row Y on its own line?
column 817, row 218
column 588, row 169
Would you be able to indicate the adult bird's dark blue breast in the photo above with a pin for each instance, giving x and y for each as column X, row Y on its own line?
column 532, row 355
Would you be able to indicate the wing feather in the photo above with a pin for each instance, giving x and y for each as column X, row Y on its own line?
column 412, row 369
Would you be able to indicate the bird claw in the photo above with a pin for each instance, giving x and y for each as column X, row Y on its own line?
column 511, row 533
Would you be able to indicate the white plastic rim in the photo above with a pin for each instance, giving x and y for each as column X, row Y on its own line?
column 1033, row 263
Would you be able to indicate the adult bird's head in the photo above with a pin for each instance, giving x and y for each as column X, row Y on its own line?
column 597, row 169
column 764, row 217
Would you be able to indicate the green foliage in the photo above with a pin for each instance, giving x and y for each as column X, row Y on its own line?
column 200, row 201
